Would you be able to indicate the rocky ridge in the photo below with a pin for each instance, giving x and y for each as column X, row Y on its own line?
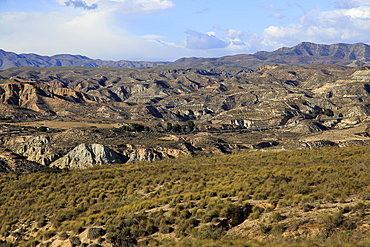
column 87, row 156
column 304, row 53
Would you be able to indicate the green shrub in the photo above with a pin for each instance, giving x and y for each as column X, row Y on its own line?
column 283, row 203
column 42, row 222
column 42, row 129
column 328, row 112
column 190, row 125
column 137, row 127
column 269, row 209
column 185, row 214
column 95, row 233
column 214, row 213
column 254, row 216
column 165, row 229
column 277, row 229
column 75, row 241
column 49, row 234
column 63, row 236
column 264, row 228
column 208, row 232
column 276, row 217
column 333, row 221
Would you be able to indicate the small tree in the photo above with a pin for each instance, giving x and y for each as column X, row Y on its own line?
column 328, row 112
column 43, row 129
column 315, row 113
column 137, row 127
column 126, row 128
column 169, row 127
column 191, row 125
column 176, row 128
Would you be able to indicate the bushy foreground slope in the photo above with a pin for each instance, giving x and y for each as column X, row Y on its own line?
column 255, row 199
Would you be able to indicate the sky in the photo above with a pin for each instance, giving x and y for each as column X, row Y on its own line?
column 166, row 30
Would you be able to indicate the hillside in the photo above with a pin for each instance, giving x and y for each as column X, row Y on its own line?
column 293, row 198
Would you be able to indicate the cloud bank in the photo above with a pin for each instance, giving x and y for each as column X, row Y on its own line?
column 349, row 25
column 197, row 40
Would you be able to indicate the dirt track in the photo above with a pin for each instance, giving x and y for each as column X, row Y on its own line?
column 64, row 124
column 337, row 135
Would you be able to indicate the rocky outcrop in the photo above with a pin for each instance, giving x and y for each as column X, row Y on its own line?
column 137, row 153
column 244, row 123
column 308, row 127
column 11, row 162
column 86, row 156
column 36, row 149
column 40, row 97
column 318, row 144
column 144, row 155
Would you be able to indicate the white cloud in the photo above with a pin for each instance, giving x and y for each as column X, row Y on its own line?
column 242, row 42
column 196, row 40
column 90, row 30
column 341, row 25
column 92, row 34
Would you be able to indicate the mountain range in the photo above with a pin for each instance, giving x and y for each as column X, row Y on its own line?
column 11, row 60
column 305, row 53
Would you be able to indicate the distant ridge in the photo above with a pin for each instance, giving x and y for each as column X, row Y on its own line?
column 304, row 53
column 357, row 51
column 11, row 59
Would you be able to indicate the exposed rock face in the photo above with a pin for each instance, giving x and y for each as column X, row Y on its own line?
column 136, row 154
column 40, row 97
column 36, row 149
column 85, row 156
column 144, row 155
column 308, row 127
column 11, row 162
column 244, row 123
column 318, row 144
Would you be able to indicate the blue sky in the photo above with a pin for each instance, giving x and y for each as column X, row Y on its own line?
column 171, row 29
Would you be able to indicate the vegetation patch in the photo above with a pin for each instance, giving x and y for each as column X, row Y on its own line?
column 194, row 200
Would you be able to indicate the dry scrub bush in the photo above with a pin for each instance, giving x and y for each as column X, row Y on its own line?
column 74, row 200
